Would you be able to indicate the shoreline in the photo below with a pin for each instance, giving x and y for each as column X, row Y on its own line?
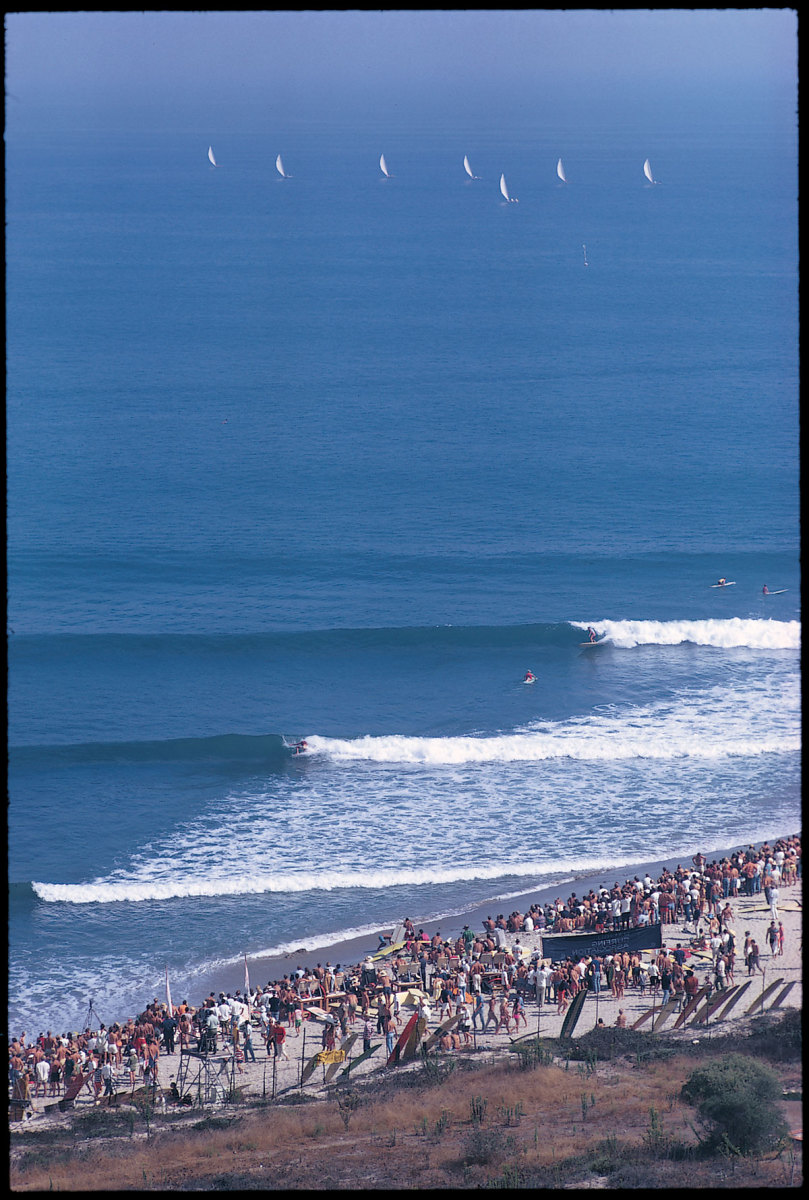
column 265, row 969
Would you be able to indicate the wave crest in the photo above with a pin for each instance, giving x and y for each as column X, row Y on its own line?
column 730, row 633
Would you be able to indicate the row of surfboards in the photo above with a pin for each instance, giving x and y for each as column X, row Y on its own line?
column 407, row 1044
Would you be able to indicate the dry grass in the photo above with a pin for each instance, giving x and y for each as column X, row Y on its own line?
column 543, row 1127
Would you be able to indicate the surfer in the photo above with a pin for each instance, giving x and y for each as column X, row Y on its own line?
column 529, row 677
column 591, row 633
column 765, row 591
column 721, row 582
column 301, row 746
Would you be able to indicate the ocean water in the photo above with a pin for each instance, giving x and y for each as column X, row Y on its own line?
column 340, row 457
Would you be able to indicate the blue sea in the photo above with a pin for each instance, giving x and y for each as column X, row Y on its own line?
column 340, row 457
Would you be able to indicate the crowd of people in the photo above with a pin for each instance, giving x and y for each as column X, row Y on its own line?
column 485, row 979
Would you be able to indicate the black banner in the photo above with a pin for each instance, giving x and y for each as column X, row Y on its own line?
column 559, row 946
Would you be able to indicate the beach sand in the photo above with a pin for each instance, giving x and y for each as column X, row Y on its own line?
column 267, row 1076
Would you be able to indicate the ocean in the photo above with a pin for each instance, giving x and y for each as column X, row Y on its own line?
column 340, row 457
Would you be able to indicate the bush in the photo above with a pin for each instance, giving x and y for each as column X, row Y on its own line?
column 738, row 1096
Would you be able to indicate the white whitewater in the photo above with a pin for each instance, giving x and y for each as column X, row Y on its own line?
column 504, row 191
column 211, row 158
column 383, row 166
column 279, row 166
column 560, row 171
column 647, row 171
column 468, row 169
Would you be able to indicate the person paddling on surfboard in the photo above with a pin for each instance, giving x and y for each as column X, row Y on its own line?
column 529, row 677
column 721, row 582
column 765, row 591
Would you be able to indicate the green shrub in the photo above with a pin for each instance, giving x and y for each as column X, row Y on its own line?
column 737, row 1096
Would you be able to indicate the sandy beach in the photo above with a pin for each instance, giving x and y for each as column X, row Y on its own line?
column 269, row 1076
column 270, row 968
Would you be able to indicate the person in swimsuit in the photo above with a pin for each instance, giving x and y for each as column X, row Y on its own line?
column 591, row 633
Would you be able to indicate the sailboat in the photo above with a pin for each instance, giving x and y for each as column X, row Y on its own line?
column 468, row 169
column 504, row 191
column 279, row 166
column 647, row 171
column 584, row 248
column 383, row 166
column 211, row 158
column 560, row 171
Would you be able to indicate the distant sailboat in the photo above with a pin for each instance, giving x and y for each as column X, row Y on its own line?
column 647, row 171
column 584, row 248
column 468, row 169
column 211, row 158
column 504, row 191
column 560, row 171
column 383, row 166
column 279, row 166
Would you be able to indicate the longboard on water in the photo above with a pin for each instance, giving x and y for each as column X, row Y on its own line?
column 730, row 583
column 777, row 592
column 597, row 642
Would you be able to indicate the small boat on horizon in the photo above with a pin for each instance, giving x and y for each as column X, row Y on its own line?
column 279, row 166
column 647, row 171
column 504, row 191
column 211, row 158
column 383, row 166
column 468, row 169
column 560, row 171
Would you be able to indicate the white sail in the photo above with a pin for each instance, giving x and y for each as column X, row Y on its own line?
column 279, row 166
column 584, row 248
column 504, row 189
column 647, row 171
column 383, row 166
column 468, row 169
column 560, row 171
column 211, row 158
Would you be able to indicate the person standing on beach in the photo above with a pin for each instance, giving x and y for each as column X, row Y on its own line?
column 754, row 964
column 780, row 937
column 772, row 937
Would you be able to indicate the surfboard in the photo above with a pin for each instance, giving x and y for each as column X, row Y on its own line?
column 396, row 1053
column 573, row 1013
column 355, row 1062
column 597, row 642
column 308, row 1070
column 777, row 592
column 409, row 1050
column 533, row 678
column 345, row 1047
column 429, row 1042
column 730, row 583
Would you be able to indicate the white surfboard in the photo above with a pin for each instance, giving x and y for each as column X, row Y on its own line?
column 533, row 679
column 730, row 583
column 777, row 592
column 597, row 642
